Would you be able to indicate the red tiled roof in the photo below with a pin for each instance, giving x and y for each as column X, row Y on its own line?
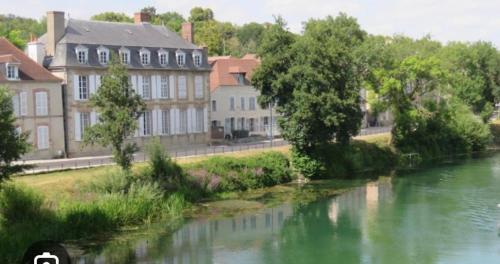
column 8, row 58
column 28, row 69
column 224, row 69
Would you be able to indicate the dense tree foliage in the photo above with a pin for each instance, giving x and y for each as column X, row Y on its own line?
column 411, row 79
column 112, row 17
column 314, row 81
column 119, row 107
column 18, row 30
column 12, row 144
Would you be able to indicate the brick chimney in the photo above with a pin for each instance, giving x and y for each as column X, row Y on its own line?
column 141, row 17
column 187, row 31
column 55, row 30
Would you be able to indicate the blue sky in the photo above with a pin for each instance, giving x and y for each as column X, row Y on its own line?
column 445, row 20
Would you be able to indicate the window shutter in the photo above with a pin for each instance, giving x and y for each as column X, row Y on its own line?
column 190, row 120
column 41, row 103
column 24, row 103
column 76, row 88
column 97, row 82
column 141, row 125
column 193, row 119
column 78, row 128
column 158, row 86
column 93, row 118
column 43, row 137
column 205, row 119
column 139, row 85
column 182, row 87
column 133, row 79
column 171, row 86
column 172, row 121
column 154, row 119
column 153, row 87
column 15, row 105
column 177, row 121
column 159, row 121
column 198, row 86
column 92, row 84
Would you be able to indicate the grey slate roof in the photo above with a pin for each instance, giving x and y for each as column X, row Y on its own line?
column 66, row 56
column 122, row 34
column 113, row 36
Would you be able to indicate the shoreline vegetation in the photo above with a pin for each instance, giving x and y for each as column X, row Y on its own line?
column 87, row 203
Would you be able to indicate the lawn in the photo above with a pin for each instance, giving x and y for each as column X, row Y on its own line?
column 65, row 184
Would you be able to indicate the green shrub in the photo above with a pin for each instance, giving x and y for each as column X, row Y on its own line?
column 18, row 204
column 344, row 161
column 440, row 131
column 220, row 174
column 112, row 182
column 161, row 168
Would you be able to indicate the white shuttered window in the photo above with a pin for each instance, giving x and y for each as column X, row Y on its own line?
column 182, row 87
column 41, row 104
column 42, row 137
column 198, row 86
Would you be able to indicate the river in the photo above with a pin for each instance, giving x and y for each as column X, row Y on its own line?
column 448, row 214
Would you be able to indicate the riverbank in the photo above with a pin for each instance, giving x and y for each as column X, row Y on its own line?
column 79, row 204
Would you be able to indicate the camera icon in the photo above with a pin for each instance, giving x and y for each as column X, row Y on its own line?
column 46, row 258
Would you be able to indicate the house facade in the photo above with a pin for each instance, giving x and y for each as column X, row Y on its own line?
column 233, row 103
column 36, row 100
column 168, row 71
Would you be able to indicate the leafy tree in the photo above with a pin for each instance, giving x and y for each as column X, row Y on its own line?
column 151, row 10
column 250, row 32
column 199, row 14
column 209, row 33
column 119, row 108
column 172, row 20
column 12, row 144
column 475, row 74
column 18, row 30
column 112, row 17
column 314, row 81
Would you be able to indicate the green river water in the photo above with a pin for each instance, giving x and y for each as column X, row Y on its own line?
column 448, row 214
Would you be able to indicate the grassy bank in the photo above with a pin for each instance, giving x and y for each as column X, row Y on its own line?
column 71, row 205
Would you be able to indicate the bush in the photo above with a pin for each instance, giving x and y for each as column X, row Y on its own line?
column 220, row 174
column 161, row 168
column 113, row 182
column 18, row 204
column 344, row 161
column 441, row 131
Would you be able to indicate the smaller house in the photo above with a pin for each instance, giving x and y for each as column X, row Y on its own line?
column 36, row 100
column 235, row 111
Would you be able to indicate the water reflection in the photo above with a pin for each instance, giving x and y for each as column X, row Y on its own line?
column 447, row 215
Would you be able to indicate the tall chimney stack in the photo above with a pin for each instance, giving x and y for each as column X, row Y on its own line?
column 141, row 17
column 55, row 30
column 187, row 31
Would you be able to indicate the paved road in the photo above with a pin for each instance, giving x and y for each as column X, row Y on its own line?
column 95, row 161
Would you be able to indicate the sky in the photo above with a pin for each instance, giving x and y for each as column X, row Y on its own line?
column 444, row 20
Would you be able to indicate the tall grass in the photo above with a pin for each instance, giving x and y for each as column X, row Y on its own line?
column 26, row 218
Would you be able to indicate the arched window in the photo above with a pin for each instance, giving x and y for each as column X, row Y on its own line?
column 145, row 56
column 103, row 55
column 197, row 58
column 124, row 55
column 82, row 54
column 180, row 57
column 163, row 57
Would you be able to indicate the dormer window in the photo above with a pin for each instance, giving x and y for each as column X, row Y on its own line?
column 180, row 57
column 12, row 71
column 197, row 58
column 145, row 56
column 103, row 55
column 124, row 55
column 163, row 57
column 82, row 54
